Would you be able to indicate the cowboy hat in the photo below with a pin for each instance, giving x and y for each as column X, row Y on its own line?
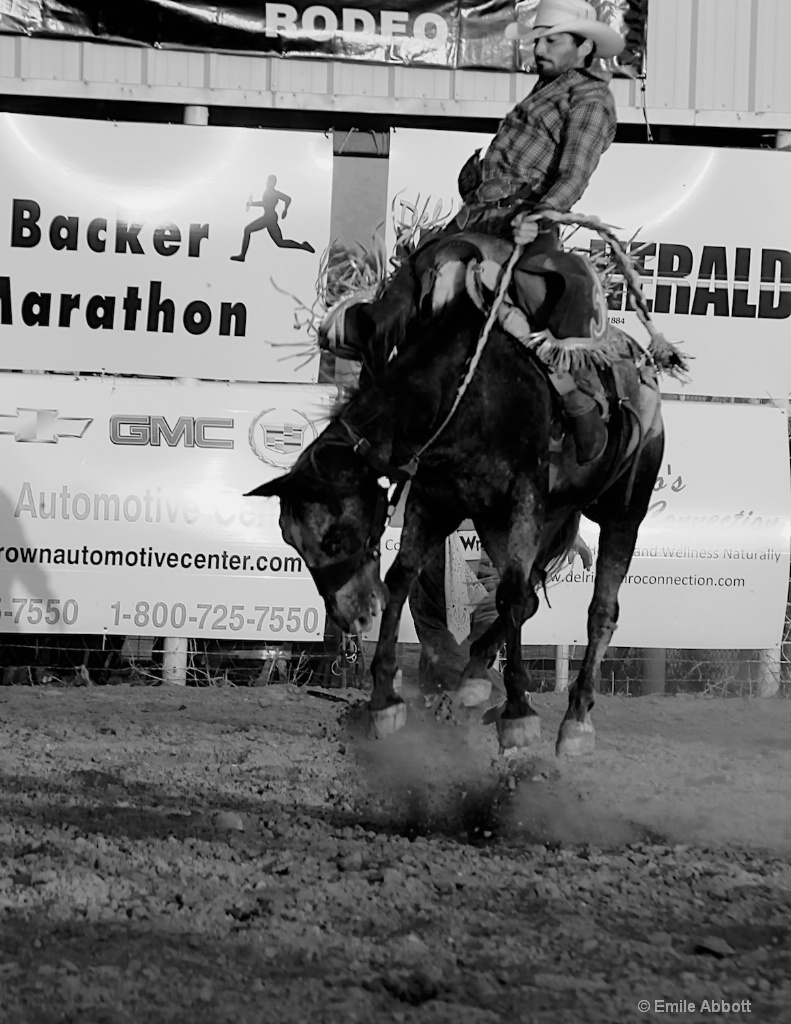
column 574, row 16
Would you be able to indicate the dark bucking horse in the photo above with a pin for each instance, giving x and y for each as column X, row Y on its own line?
column 452, row 403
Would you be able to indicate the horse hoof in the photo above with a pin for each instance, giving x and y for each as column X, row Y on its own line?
column 576, row 738
column 387, row 721
column 473, row 692
column 518, row 732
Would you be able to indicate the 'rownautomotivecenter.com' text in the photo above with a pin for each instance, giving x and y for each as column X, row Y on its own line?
column 149, row 558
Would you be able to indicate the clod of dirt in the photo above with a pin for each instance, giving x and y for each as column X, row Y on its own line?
column 415, row 988
column 228, row 821
column 714, row 946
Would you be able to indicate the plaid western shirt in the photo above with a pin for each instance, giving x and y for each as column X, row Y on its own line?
column 553, row 139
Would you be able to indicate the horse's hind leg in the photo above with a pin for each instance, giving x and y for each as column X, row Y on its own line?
column 616, row 545
column 518, row 724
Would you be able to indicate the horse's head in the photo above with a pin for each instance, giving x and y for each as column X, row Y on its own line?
column 335, row 518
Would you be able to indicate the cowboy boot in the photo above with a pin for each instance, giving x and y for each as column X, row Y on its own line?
column 587, row 425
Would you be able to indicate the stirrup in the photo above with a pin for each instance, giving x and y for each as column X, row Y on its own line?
column 481, row 281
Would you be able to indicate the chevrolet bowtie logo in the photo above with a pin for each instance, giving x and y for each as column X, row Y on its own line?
column 42, row 426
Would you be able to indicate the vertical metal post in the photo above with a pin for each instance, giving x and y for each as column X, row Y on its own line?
column 196, row 115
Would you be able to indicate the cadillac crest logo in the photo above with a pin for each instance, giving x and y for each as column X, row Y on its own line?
column 279, row 435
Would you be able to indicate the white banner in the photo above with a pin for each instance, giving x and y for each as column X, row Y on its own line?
column 712, row 560
column 121, row 508
column 716, row 269
column 121, row 247
column 121, row 511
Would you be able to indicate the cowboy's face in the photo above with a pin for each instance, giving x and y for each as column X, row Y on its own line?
column 558, row 53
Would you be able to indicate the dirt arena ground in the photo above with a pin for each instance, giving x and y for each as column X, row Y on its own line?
column 248, row 855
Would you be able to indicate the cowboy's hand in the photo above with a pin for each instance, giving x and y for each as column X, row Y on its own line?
column 524, row 230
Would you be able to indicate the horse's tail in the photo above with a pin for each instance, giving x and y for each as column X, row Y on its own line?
column 562, row 547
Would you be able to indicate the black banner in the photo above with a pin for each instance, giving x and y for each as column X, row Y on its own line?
column 453, row 34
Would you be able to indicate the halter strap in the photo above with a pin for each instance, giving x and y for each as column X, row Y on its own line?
column 362, row 447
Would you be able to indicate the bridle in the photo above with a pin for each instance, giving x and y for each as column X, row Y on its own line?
column 390, row 487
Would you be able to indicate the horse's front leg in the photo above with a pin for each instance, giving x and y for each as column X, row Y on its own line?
column 424, row 529
column 387, row 710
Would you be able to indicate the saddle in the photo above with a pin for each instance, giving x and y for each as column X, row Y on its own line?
column 565, row 324
column 564, row 316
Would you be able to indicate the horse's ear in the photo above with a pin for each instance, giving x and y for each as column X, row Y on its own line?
column 272, row 489
column 295, row 486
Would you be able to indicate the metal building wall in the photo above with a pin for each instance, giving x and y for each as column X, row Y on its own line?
column 720, row 62
column 709, row 62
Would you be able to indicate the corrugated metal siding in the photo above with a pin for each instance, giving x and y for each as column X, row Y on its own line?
column 50, row 60
column 772, row 70
column 670, row 60
column 723, row 71
column 106, row 64
column 709, row 62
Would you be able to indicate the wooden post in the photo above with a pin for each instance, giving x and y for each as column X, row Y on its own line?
column 655, row 664
column 174, row 660
column 561, row 668
column 768, row 681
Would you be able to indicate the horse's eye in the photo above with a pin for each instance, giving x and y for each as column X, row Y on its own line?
column 335, row 540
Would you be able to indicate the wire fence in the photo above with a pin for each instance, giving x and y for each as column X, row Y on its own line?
column 344, row 661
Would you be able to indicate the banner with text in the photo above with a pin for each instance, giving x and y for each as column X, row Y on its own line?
column 121, row 511
column 445, row 33
column 169, row 250
column 716, row 272
column 711, row 565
